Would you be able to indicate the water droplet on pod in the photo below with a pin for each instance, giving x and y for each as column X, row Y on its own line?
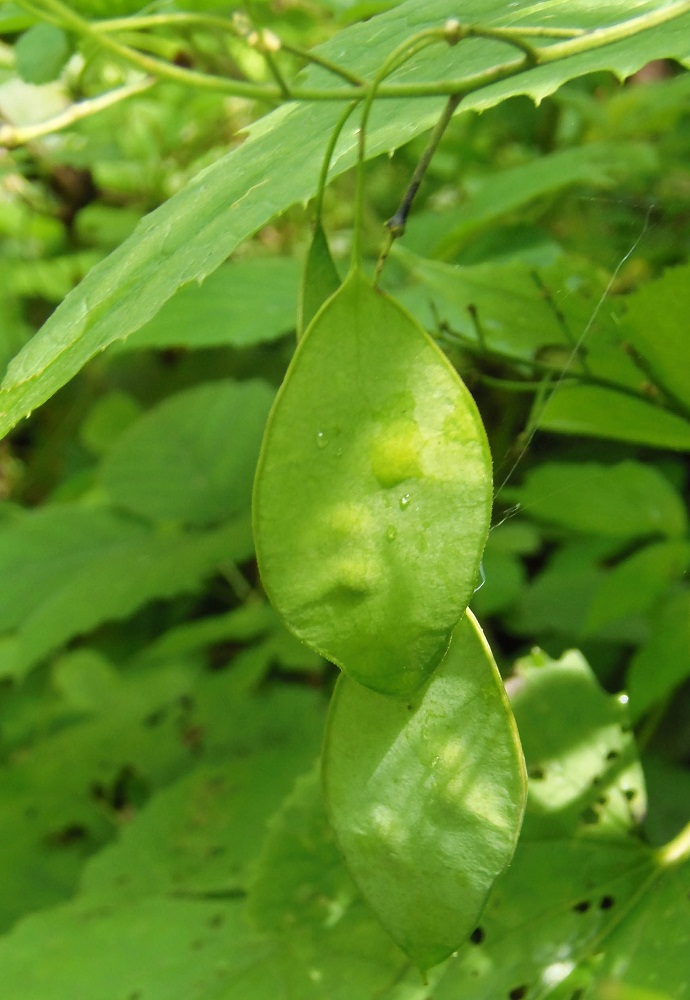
column 391, row 532
column 404, row 501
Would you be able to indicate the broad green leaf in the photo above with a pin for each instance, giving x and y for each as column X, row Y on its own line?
column 243, row 303
column 67, row 569
column 197, row 229
column 556, row 601
column 58, row 793
column 585, row 778
column 663, row 662
column 192, row 457
column 110, row 415
column 657, row 320
column 197, row 837
column 373, row 492
column 320, row 279
column 628, row 500
column 595, row 412
column 634, row 585
column 330, row 943
column 154, row 949
column 426, row 797
column 41, row 53
column 290, row 886
column 115, row 739
column 646, row 956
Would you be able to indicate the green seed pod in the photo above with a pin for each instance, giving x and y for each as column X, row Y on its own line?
column 426, row 796
column 373, row 492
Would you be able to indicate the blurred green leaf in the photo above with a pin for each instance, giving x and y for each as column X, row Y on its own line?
column 41, row 53
column 243, row 303
column 157, row 949
column 592, row 411
column 628, row 500
column 68, row 569
column 660, row 665
column 657, row 317
column 598, row 165
column 192, row 457
column 635, row 584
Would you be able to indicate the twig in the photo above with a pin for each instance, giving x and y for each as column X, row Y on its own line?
column 17, row 135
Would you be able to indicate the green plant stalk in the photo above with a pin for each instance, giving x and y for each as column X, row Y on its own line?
column 677, row 850
column 59, row 13
column 395, row 60
column 142, row 23
column 328, row 156
column 396, row 224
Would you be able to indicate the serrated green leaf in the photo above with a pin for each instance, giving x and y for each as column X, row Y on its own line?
column 320, row 279
column 193, row 233
column 67, row 569
column 371, row 555
column 41, row 53
column 192, row 457
column 628, row 500
column 426, row 797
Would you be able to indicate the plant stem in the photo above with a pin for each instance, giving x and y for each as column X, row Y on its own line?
column 574, row 44
column 17, row 135
column 328, row 156
column 582, row 378
column 395, row 60
column 677, row 850
column 173, row 20
column 396, row 224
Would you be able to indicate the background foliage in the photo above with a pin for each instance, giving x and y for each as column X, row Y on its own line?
column 161, row 826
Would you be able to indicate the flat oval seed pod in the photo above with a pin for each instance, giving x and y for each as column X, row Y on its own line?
column 426, row 797
column 373, row 491
column 320, row 280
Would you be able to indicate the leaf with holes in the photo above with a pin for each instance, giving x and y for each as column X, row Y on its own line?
column 373, row 492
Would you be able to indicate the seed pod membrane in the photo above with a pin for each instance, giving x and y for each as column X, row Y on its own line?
column 373, row 492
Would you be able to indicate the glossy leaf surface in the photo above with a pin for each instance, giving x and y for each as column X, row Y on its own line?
column 426, row 796
column 373, row 492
